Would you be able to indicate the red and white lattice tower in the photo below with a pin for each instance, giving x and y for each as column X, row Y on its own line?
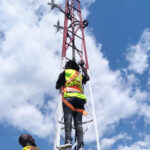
column 74, row 48
column 73, row 37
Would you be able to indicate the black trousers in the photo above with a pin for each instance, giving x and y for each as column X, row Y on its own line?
column 77, row 117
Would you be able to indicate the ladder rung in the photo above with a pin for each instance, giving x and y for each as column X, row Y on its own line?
column 75, row 34
column 82, row 122
column 88, row 121
column 74, row 47
column 60, row 122
column 74, row 8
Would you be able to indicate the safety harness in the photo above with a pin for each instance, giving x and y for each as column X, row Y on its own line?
column 72, row 89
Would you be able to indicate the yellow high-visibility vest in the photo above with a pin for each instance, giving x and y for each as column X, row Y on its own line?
column 73, row 86
column 30, row 148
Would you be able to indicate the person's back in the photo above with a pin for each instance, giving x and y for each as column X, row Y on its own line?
column 70, row 81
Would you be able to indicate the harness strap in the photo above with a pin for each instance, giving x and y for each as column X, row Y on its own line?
column 72, row 78
column 72, row 89
column 72, row 107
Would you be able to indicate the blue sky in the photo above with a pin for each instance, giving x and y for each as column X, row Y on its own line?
column 119, row 45
column 119, row 24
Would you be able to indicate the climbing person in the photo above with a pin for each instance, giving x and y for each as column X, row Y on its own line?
column 70, row 81
column 27, row 142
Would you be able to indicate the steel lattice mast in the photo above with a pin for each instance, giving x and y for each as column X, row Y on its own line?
column 74, row 48
column 74, row 31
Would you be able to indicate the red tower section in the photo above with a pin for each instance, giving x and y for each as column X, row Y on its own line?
column 73, row 37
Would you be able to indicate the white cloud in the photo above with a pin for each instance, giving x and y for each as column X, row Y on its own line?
column 117, row 96
column 145, row 111
column 87, row 3
column 29, row 56
column 30, row 60
column 138, row 54
column 106, row 143
column 113, row 98
column 139, row 145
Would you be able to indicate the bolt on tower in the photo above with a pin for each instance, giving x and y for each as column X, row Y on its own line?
column 74, row 48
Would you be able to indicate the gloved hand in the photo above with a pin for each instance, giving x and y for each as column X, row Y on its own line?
column 81, row 63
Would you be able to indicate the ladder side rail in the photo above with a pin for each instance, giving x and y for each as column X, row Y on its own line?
column 58, row 115
column 94, row 115
column 73, row 28
column 58, row 125
column 83, row 37
column 65, row 30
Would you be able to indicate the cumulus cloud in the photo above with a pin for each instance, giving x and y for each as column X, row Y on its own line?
column 87, row 3
column 28, row 57
column 145, row 111
column 117, row 94
column 106, row 143
column 139, row 145
column 30, row 60
column 138, row 54
column 114, row 98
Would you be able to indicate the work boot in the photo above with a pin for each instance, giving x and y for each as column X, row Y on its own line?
column 80, row 146
column 66, row 145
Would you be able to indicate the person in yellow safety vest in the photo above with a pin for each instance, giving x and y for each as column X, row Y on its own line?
column 70, row 81
column 27, row 142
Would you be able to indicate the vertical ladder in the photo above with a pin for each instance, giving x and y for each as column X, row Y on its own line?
column 74, row 48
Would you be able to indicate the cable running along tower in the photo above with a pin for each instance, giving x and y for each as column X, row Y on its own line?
column 74, row 48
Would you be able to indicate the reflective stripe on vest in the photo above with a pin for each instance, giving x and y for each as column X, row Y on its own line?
column 72, row 89
column 73, row 86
